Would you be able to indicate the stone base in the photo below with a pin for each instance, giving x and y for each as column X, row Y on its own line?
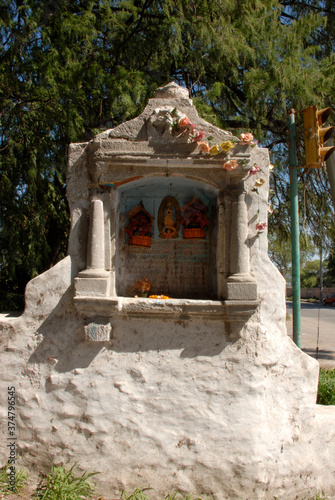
column 92, row 283
column 98, row 330
column 241, row 287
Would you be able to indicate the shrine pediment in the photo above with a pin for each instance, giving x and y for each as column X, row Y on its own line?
column 160, row 117
column 167, row 208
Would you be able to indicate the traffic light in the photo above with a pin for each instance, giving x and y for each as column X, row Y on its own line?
column 316, row 136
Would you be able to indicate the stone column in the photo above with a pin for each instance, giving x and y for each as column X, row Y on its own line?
column 95, row 280
column 240, row 284
column 222, row 257
column 96, row 236
column 114, row 212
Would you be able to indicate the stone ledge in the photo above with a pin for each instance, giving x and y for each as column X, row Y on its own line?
column 228, row 310
column 168, row 160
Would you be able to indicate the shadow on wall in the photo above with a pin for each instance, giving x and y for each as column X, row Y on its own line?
column 64, row 346
column 63, row 338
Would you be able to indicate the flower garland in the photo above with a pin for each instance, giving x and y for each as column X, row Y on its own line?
column 183, row 126
column 260, row 226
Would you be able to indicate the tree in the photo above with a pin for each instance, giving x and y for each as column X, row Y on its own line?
column 329, row 275
column 310, row 274
column 74, row 67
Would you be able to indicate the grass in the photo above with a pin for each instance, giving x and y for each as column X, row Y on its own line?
column 20, row 480
column 138, row 494
column 326, row 389
column 62, row 484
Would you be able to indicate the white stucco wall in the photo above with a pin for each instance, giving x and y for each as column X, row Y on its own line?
column 169, row 403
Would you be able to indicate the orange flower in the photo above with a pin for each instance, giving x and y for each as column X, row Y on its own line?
column 204, row 147
column 247, row 138
column 183, row 122
column 230, row 165
column 164, row 297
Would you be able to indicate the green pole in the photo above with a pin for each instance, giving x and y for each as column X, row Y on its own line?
column 294, row 229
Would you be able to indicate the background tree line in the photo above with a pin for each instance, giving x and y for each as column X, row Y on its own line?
column 71, row 68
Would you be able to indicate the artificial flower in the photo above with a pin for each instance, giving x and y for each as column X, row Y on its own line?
column 164, row 297
column 254, row 170
column 199, row 136
column 246, row 138
column 259, row 182
column 271, row 167
column 142, row 286
column 214, row 150
column 183, row 122
column 226, row 146
column 260, row 226
column 140, row 224
column 204, row 147
column 194, row 214
column 230, row 165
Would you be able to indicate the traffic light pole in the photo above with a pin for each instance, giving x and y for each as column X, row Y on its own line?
column 331, row 173
column 294, row 229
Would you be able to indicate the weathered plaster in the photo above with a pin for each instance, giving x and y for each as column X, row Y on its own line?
column 207, row 396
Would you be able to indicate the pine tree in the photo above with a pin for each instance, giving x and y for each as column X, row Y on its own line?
column 72, row 68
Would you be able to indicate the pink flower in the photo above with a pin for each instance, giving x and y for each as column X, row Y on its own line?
column 199, row 136
column 230, row 165
column 191, row 127
column 254, row 170
column 204, row 147
column 246, row 138
column 183, row 122
column 260, row 226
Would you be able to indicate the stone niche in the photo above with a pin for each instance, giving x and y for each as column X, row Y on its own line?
column 176, row 266
column 151, row 162
column 201, row 391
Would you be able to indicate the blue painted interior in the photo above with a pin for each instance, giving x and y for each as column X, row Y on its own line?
column 152, row 190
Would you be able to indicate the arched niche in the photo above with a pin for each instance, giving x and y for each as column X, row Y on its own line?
column 176, row 267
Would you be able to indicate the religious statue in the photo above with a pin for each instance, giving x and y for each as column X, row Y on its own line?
column 169, row 218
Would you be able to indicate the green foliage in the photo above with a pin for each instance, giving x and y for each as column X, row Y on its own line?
column 138, row 494
column 20, row 481
column 179, row 496
column 70, row 69
column 310, row 274
column 280, row 252
column 329, row 275
column 62, row 484
column 326, row 389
